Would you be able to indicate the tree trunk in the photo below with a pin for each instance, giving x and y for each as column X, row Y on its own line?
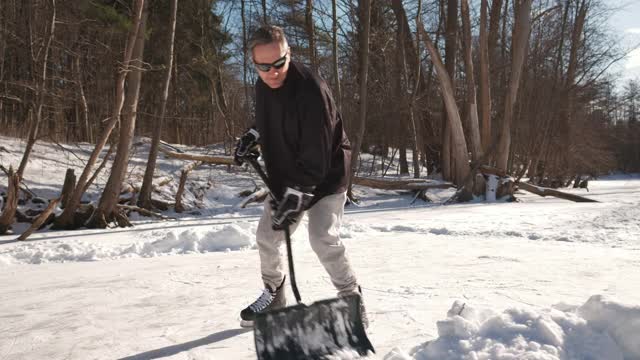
column 451, row 46
column 413, row 58
column 66, row 219
column 183, row 179
column 474, row 130
column 365, row 11
column 433, row 145
column 494, row 32
column 8, row 213
column 67, row 188
column 401, row 93
column 88, row 134
column 40, row 92
column 485, row 86
column 519, row 47
column 412, row 50
column 245, row 83
column 310, row 27
column 569, row 82
column 144, row 199
column 420, row 85
column 264, row 12
column 461, row 157
column 106, row 210
column 334, row 41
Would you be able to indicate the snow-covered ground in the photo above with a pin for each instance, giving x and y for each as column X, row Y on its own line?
column 537, row 279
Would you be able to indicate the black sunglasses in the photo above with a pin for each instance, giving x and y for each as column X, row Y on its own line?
column 276, row 64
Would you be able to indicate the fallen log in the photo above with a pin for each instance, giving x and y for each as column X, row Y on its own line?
column 158, row 183
column 210, row 159
column 413, row 184
column 39, row 220
column 542, row 191
column 144, row 211
column 257, row 196
column 538, row 190
column 489, row 170
column 400, row 185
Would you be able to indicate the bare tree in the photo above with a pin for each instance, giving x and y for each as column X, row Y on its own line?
column 264, row 12
column 334, row 43
column 245, row 83
column 451, row 46
column 474, row 130
column 569, row 81
column 519, row 45
column 409, row 94
column 83, row 100
column 40, row 92
column 144, row 199
column 107, row 210
column 365, row 13
column 484, row 88
column 66, row 219
column 459, row 146
column 7, row 214
column 311, row 34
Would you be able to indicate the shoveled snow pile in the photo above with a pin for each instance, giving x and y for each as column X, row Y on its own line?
column 599, row 329
column 149, row 244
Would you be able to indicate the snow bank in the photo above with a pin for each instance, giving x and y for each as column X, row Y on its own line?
column 600, row 329
column 621, row 322
column 230, row 237
column 148, row 244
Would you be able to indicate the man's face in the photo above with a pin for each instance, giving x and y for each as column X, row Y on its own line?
column 269, row 54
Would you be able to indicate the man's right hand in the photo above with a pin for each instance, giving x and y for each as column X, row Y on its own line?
column 246, row 145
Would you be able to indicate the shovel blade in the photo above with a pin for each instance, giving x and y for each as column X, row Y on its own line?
column 312, row 332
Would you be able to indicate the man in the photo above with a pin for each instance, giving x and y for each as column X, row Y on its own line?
column 307, row 157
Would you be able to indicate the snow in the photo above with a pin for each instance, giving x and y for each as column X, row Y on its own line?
column 542, row 278
column 149, row 244
column 533, row 334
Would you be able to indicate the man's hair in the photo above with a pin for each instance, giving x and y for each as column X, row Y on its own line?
column 266, row 34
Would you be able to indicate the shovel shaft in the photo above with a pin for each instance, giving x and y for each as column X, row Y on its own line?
column 292, row 273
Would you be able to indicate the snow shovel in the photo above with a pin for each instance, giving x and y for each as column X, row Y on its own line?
column 313, row 331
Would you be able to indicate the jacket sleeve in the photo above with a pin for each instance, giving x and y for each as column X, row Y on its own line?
column 313, row 158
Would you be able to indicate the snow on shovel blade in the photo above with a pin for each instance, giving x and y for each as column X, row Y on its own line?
column 311, row 332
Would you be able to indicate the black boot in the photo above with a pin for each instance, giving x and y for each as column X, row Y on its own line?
column 270, row 299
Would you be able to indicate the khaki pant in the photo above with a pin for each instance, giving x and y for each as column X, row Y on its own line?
column 325, row 218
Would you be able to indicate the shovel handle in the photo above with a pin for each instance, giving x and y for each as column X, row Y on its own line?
column 287, row 235
column 292, row 274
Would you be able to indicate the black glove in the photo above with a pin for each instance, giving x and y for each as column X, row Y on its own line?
column 247, row 145
column 289, row 208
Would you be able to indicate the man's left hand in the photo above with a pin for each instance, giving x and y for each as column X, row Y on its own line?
column 293, row 203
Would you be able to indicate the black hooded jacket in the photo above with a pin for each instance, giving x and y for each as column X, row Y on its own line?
column 302, row 139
